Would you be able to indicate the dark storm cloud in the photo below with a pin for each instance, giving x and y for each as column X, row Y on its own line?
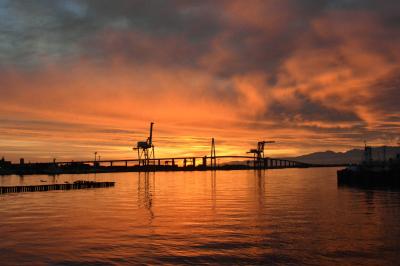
column 35, row 32
column 387, row 94
column 190, row 33
column 309, row 110
column 61, row 29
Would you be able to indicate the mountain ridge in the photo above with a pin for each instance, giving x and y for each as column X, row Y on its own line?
column 352, row 156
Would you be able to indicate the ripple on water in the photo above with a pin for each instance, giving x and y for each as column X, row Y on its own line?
column 293, row 216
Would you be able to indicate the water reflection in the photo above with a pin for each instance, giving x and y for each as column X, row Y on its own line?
column 213, row 190
column 259, row 176
column 293, row 216
column 146, row 191
column 21, row 180
column 370, row 201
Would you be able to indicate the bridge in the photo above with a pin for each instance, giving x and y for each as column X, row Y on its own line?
column 204, row 162
column 146, row 161
column 192, row 163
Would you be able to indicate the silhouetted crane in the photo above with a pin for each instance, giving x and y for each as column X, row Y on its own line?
column 143, row 148
column 259, row 152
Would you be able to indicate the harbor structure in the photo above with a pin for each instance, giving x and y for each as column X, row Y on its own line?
column 145, row 149
column 372, row 172
column 147, row 161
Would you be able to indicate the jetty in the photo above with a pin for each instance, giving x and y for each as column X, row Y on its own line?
column 49, row 187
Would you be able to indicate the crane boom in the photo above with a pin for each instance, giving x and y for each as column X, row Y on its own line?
column 151, row 133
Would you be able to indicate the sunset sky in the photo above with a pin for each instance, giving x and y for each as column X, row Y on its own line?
column 83, row 76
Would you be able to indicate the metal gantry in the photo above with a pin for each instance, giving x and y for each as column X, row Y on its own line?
column 145, row 149
column 258, row 154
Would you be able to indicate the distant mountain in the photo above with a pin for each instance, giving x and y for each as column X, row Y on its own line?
column 351, row 156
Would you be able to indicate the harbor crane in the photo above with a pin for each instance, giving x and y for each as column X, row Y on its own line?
column 145, row 149
column 259, row 152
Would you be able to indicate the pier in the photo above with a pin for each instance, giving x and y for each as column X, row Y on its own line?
column 49, row 187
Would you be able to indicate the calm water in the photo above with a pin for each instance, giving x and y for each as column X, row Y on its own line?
column 293, row 216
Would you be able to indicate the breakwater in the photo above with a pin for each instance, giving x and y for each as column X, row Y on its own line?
column 49, row 187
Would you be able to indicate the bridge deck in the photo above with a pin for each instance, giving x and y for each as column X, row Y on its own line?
column 224, row 162
column 188, row 158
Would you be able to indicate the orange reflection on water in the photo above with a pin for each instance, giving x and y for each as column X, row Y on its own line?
column 249, row 217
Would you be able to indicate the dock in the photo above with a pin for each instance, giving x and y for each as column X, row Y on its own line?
column 49, row 187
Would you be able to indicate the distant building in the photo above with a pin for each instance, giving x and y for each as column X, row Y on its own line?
column 4, row 163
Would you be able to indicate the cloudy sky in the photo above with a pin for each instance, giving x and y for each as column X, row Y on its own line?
column 84, row 76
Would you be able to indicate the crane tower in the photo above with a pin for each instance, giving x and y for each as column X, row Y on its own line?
column 145, row 149
column 259, row 153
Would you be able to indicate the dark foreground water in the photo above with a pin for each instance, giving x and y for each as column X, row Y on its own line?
column 293, row 216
